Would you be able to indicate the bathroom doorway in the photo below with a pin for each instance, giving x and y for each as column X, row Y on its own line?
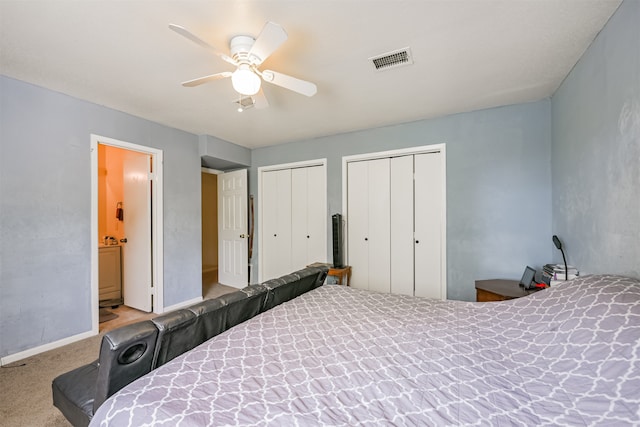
column 126, row 223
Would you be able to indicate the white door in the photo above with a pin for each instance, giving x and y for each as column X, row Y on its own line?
column 368, row 224
column 299, row 218
column 308, row 217
column 402, row 220
column 233, row 263
column 396, row 221
column 136, row 251
column 358, row 223
column 428, row 213
column 316, row 215
column 276, row 223
column 379, row 226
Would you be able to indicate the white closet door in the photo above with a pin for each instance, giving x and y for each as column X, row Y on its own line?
column 428, row 214
column 358, row 223
column 316, row 215
column 299, row 214
column 276, row 221
column 308, row 214
column 379, row 233
column 402, row 241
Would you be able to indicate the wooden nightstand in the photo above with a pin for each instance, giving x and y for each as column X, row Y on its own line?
column 341, row 274
column 500, row 290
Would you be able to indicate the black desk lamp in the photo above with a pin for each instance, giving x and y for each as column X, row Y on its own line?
column 556, row 242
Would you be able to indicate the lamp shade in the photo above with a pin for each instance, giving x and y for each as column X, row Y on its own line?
column 245, row 81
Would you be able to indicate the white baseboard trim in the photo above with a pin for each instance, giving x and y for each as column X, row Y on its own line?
column 182, row 304
column 45, row 347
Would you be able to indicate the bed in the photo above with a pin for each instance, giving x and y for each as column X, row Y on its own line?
column 338, row 356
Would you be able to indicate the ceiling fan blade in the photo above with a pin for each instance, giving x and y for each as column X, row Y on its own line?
column 301, row 86
column 259, row 100
column 269, row 39
column 189, row 35
column 206, row 79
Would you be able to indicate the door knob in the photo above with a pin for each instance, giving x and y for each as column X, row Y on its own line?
column 242, row 236
column 123, row 240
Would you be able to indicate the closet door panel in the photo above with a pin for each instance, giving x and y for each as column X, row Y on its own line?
column 379, row 233
column 284, row 222
column 299, row 218
column 402, row 241
column 269, row 224
column 428, row 209
column 276, row 207
column 316, row 215
column 358, row 223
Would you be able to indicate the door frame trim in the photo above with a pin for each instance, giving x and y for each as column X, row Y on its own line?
column 293, row 165
column 156, row 224
column 441, row 148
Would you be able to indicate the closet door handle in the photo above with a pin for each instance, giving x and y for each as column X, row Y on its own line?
column 366, row 239
column 417, row 241
column 307, row 237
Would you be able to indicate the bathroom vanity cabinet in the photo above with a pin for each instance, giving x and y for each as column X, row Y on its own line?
column 110, row 275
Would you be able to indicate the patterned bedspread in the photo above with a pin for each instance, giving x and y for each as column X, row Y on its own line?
column 337, row 356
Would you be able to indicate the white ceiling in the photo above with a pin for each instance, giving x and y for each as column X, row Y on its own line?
column 468, row 55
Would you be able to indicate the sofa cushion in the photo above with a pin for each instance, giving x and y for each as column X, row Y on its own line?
column 244, row 304
column 292, row 285
column 176, row 331
column 211, row 317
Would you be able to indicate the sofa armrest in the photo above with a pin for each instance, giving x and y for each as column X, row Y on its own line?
column 126, row 354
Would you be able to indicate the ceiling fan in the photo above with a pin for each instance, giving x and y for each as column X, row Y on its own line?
column 247, row 54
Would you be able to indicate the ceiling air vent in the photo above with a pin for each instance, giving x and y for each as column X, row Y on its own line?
column 244, row 103
column 395, row 59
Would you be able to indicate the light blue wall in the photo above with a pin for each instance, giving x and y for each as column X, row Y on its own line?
column 498, row 185
column 216, row 149
column 45, row 211
column 596, row 152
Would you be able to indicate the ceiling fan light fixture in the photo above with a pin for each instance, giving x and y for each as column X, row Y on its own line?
column 245, row 81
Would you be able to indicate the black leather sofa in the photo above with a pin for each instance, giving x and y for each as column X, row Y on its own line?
column 129, row 352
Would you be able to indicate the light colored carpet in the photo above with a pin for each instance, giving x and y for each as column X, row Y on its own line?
column 215, row 290
column 25, row 386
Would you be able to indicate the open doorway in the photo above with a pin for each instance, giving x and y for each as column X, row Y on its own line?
column 214, row 255
column 126, row 210
column 209, row 230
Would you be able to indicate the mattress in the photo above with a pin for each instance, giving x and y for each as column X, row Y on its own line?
column 338, row 356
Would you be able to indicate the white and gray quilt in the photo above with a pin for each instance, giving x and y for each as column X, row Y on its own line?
column 337, row 356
